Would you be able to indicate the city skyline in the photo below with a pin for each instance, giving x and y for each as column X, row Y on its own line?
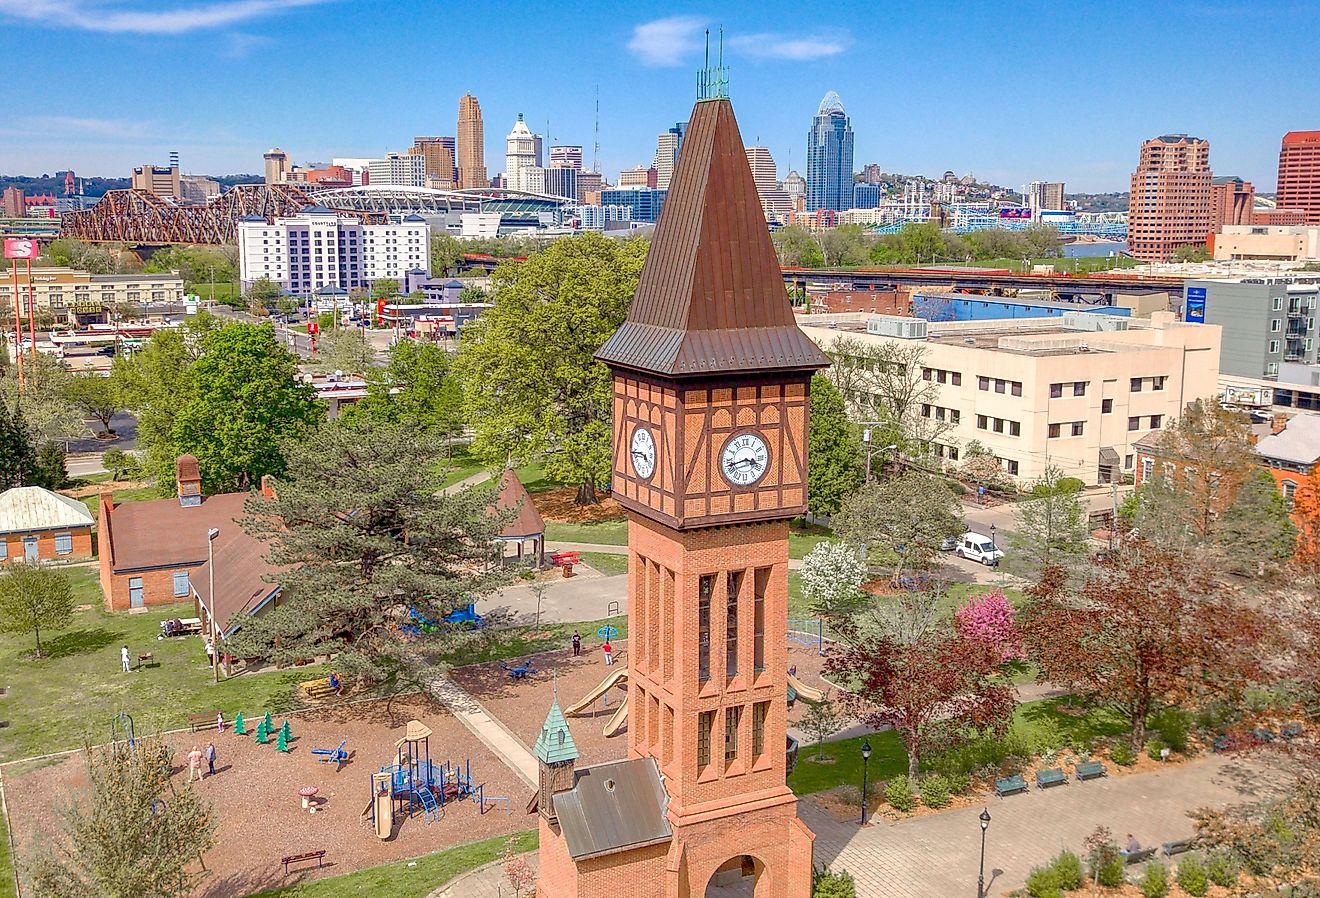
column 1035, row 113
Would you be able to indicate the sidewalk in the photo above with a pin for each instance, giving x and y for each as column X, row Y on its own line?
column 484, row 882
column 490, row 731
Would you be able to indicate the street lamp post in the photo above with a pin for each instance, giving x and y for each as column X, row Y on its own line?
column 866, row 757
column 210, row 593
column 870, row 447
column 980, row 877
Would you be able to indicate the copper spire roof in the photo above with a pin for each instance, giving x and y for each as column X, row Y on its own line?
column 711, row 298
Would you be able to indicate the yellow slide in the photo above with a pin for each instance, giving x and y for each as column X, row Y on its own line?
column 618, row 721
column 815, row 696
column 618, row 678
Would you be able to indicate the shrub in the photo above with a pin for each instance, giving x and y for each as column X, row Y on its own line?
column 935, row 791
column 1155, row 881
column 899, row 794
column 959, row 783
column 1107, row 865
column 1154, row 748
column 1172, row 725
column 1068, row 871
column 1222, row 869
column 958, row 487
column 1043, row 882
column 1111, row 871
column 1121, row 754
column 826, row 883
column 1192, row 877
column 1070, row 484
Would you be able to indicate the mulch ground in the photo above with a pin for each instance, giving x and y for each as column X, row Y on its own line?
column 810, row 670
column 260, row 813
column 558, row 505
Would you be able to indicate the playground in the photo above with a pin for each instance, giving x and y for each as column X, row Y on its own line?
column 258, row 793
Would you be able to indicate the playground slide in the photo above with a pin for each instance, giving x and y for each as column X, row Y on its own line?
column 618, row 678
column 384, row 813
column 815, row 696
column 618, row 721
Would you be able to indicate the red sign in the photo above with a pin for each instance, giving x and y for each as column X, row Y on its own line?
column 21, row 248
column 313, row 327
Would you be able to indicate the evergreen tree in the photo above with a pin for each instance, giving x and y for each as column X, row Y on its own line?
column 50, row 470
column 1255, row 533
column 834, row 456
column 18, row 462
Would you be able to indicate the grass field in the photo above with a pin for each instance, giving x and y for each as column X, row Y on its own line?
column 223, row 292
column 136, row 494
column 464, row 466
column 608, row 563
column 72, row 692
column 400, row 880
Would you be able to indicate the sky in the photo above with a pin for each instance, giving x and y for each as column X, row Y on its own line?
column 1010, row 91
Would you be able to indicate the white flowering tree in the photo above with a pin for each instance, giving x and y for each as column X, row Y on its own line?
column 832, row 577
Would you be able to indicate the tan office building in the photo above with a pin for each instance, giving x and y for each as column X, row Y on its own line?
column 158, row 179
column 471, row 144
column 1169, row 204
column 1047, row 391
column 65, row 291
column 1296, row 243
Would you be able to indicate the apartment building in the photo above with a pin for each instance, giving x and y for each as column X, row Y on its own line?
column 1169, row 204
column 318, row 248
column 398, row 170
column 1231, row 202
column 1264, row 324
column 1074, row 393
column 66, row 291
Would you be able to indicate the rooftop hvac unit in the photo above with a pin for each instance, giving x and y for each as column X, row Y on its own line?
column 1093, row 321
column 897, row 326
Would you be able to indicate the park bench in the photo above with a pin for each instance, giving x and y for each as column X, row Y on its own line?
column 318, row 856
column 1291, row 730
column 1263, row 734
column 321, row 688
column 1010, row 785
column 1091, row 770
column 1178, row 846
column 1136, row 857
column 201, row 720
column 1052, row 776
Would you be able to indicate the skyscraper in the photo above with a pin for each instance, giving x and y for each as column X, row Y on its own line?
column 522, row 151
column 471, row 144
column 1169, row 203
column 774, row 202
column 277, row 165
column 667, row 146
column 1299, row 174
column 1231, row 200
column 439, row 154
column 1045, row 195
column 830, row 157
column 566, row 157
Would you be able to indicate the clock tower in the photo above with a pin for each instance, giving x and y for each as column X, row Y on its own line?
column 711, row 402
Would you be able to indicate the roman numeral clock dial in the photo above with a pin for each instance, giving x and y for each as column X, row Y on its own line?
column 642, row 451
column 745, row 459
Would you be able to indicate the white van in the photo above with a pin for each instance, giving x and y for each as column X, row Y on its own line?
column 978, row 547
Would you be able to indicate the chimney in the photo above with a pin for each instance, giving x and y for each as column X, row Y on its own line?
column 1278, row 424
column 107, row 502
column 188, row 477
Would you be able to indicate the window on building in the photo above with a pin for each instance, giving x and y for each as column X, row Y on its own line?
column 1012, row 467
column 1015, row 387
column 1278, row 303
column 1136, row 385
column 705, row 588
column 63, row 543
column 1106, row 406
column 925, row 410
column 953, row 453
column 760, row 711
column 1156, row 421
column 4, row 549
column 760, row 580
column 735, row 582
column 1147, row 468
column 983, row 383
column 1276, row 325
column 705, row 724
column 1134, row 423
column 1056, row 390
column 1079, row 388
column 980, row 422
column 1274, row 347
column 955, row 378
column 1290, row 493
column 999, row 425
column 1000, row 385
column 1157, row 383
column 1055, row 431
column 732, row 717
column 955, row 416
column 1078, row 427
column 1014, row 429
column 1127, row 462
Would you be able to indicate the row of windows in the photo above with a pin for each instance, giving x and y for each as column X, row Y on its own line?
column 952, row 415
column 734, row 583
column 998, row 425
column 941, row 375
column 1156, row 422
column 1169, row 470
column 1075, row 388
column 1139, row 383
column 1075, row 429
column 63, row 545
column 1012, row 386
column 732, row 725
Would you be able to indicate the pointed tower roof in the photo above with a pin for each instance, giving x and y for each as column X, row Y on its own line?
column 555, row 744
column 711, row 298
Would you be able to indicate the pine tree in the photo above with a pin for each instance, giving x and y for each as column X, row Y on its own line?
column 1255, row 533
column 18, row 461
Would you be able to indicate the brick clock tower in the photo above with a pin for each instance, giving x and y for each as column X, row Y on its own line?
column 711, row 403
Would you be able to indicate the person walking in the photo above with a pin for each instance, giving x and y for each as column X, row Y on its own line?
column 609, row 653
column 577, row 643
column 123, row 656
column 219, row 721
column 194, row 764
column 209, row 755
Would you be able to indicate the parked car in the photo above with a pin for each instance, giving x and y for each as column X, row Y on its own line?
column 978, row 547
column 948, row 544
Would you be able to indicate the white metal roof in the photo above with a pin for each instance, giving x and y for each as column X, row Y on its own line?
column 1298, row 443
column 26, row 508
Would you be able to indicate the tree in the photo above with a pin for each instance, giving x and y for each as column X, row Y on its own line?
column 990, row 618
column 1255, row 534
column 34, row 598
column 980, row 466
column 18, row 460
column 821, row 721
column 796, row 248
column 48, row 414
column 97, row 396
column 344, row 350
column 133, row 834
column 384, row 288
column 1147, row 627
column 367, row 541
column 1052, row 527
column 915, row 672
column 825, row 883
column 157, row 381
column 51, row 472
column 1191, row 253
column 1306, row 510
column 418, row 386
column 532, row 386
column 832, row 577
column 909, row 515
column 243, row 399
column 119, row 463
column 263, row 292
column 446, row 254
column 1043, row 241
column 846, row 245
column 834, row 457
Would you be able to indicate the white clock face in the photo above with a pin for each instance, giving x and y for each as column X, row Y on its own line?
column 643, row 453
column 745, row 459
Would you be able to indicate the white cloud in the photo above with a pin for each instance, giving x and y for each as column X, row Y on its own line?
column 665, row 42
column 794, row 49
column 114, row 18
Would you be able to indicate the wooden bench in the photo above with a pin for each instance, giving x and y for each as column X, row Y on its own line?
column 204, row 719
column 318, row 856
column 1136, row 857
column 1052, row 776
column 1178, row 846
column 1091, row 770
column 1010, row 785
column 319, row 688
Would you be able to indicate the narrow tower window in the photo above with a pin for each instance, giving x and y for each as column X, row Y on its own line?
column 705, row 588
column 731, row 624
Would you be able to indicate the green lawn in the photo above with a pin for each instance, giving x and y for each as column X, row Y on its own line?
column 135, row 494
column 399, row 880
column 608, row 563
column 613, row 532
column 464, row 466
column 74, row 691
column 956, row 595
column 518, row 642
column 6, row 863
column 888, row 760
column 1047, row 727
column 223, row 292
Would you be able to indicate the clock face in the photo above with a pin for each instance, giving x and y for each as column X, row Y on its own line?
column 642, row 452
column 745, row 459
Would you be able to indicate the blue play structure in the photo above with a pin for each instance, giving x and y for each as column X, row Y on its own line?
column 465, row 615
column 419, row 623
column 336, row 756
column 419, row 785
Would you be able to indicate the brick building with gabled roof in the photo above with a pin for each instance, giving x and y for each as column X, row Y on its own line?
column 37, row 525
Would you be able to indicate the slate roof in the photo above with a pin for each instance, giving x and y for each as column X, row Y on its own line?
column 555, row 743
column 25, row 509
column 614, row 807
column 711, row 298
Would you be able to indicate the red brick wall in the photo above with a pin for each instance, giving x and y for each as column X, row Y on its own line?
column 878, row 302
column 82, row 544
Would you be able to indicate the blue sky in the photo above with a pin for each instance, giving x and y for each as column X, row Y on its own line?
column 1009, row 91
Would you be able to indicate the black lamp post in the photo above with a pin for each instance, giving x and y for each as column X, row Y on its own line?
column 980, row 877
column 866, row 756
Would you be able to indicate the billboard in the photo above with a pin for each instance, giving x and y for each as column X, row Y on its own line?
column 21, row 248
column 1019, row 213
column 1194, row 309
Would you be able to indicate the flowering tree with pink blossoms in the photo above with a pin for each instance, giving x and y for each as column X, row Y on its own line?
column 989, row 618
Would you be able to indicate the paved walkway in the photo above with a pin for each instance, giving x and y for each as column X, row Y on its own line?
column 470, row 712
column 608, row 549
column 565, row 601
column 484, row 882
column 938, row 854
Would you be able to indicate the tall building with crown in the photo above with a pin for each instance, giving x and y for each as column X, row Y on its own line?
column 471, row 144
column 711, row 408
column 830, row 157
